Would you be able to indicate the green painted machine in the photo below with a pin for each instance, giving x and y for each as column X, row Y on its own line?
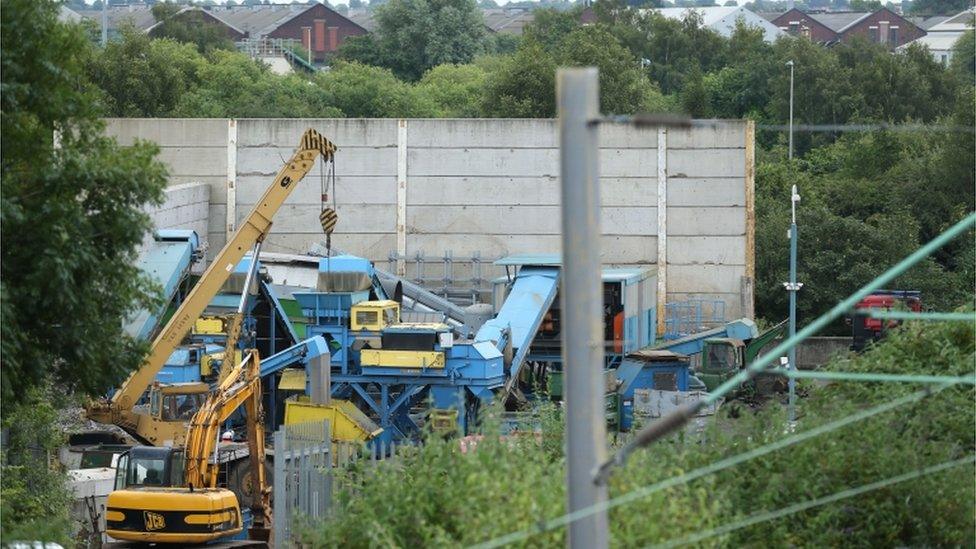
column 724, row 357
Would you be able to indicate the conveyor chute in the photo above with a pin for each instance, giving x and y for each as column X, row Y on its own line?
column 518, row 320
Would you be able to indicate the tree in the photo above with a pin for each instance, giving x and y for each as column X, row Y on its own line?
column 963, row 63
column 355, row 4
column 232, row 85
column 939, row 7
column 192, row 26
column 413, row 36
column 68, row 277
column 624, row 89
column 363, row 91
column 144, row 77
column 670, row 48
column 550, row 26
column 455, row 90
column 865, row 5
column 524, row 85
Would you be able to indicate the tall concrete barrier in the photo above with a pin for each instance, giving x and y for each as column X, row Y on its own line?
column 485, row 188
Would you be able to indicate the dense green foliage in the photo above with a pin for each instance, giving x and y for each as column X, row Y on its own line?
column 437, row 495
column 413, row 36
column 34, row 500
column 71, row 216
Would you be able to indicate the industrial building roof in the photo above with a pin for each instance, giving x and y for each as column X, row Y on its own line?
column 140, row 17
column 710, row 15
column 364, row 18
column 258, row 21
column 838, row 21
column 960, row 22
column 507, row 21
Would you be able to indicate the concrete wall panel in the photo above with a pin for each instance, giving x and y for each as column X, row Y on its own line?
column 481, row 187
column 704, row 278
column 169, row 132
column 354, row 161
column 353, row 218
column 349, row 189
column 728, row 133
column 706, row 221
column 523, row 191
column 706, row 250
column 694, row 163
column 705, row 192
column 344, row 132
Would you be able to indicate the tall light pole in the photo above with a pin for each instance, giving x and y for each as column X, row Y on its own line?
column 793, row 287
column 104, row 23
column 790, row 65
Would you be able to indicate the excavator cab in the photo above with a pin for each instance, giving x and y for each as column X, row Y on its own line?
column 177, row 402
column 722, row 358
column 151, row 504
column 149, row 466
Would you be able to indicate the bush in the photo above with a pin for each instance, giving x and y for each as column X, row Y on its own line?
column 437, row 495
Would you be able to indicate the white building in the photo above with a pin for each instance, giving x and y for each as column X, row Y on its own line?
column 943, row 36
column 722, row 19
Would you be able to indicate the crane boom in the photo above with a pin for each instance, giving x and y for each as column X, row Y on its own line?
column 253, row 229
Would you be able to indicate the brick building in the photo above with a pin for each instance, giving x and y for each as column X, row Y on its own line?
column 319, row 26
column 882, row 26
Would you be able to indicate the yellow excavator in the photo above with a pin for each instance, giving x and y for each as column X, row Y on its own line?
column 163, row 421
column 170, row 495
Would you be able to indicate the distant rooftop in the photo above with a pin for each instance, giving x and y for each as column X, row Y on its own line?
column 140, row 17
column 710, row 14
column 258, row 21
column 839, row 20
column 509, row 21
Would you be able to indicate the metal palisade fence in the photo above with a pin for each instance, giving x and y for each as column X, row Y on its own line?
column 305, row 460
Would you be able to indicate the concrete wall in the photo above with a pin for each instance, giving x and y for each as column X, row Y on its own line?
column 488, row 188
column 187, row 206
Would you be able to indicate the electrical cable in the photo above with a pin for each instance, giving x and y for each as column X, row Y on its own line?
column 871, row 376
column 545, row 526
column 679, row 417
column 798, row 507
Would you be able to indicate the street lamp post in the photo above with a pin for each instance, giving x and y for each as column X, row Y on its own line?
column 793, row 287
column 790, row 65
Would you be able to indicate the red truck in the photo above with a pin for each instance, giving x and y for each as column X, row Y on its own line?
column 868, row 330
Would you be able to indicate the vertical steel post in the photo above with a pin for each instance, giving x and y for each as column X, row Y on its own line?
column 790, row 65
column 104, row 23
column 792, row 287
column 582, row 301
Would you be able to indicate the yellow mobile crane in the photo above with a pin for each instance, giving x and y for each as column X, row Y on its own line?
column 163, row 424
column 170, row 495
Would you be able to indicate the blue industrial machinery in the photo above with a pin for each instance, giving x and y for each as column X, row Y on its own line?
column 398, row 372
column 387, row 367
column 742, row 329
column 629, row 320
column 167, row 261
column 265, row 327
column 649, row 369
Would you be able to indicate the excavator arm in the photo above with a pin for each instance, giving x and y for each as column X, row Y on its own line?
column 253, row 229
column 242, row 386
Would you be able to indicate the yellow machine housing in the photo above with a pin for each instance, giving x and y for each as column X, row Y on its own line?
column 172, row 515
column 210, row 325
column 443, row 421
column 392, row 358
column 374, row 315
column 347, row 422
